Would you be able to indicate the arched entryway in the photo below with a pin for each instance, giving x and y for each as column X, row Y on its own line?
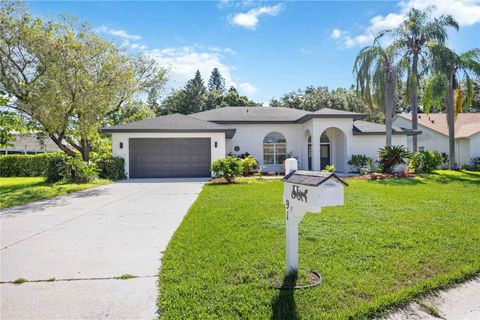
column 333, row 149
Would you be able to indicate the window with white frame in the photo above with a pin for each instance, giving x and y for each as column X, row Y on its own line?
column 274, row 148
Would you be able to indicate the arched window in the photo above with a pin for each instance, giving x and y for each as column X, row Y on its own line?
column 274, row 148
column 324, row 138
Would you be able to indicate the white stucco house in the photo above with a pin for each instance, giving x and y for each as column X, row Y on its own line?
column 184, row 145
column 434, row 135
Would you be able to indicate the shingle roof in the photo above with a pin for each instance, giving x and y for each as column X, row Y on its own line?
column 466, row 124
column 270, row 114
column 311, row 178
column 251, row 114
column 170, row 123
column 371, row 128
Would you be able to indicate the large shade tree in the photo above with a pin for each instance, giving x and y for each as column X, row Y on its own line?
column 450, row 85
column 376, row 71
column 417, row 30
column 67, row 79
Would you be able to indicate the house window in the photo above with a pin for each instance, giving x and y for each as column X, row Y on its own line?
column 421, row 149
column 274, row 148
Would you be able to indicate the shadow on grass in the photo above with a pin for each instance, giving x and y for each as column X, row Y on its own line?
column 398, row 182
column 456, row 176
column 283, row 305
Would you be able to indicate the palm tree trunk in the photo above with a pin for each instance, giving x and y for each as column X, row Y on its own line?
column 451, row 126
column 389, row 104
column 415, row 101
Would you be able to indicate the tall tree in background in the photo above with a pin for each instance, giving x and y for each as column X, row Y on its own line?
column 67, row 79
column 444, row 87
column 152, row 101
column 314, row 98
column 216, row 81
column 376, row 72
column 195, row 92
column 234, row 99
column 412, row 36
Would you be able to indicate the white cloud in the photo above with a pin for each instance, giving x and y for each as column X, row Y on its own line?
column 305, row 51
column 336, row 33
column 465, row 12
column 249, row 20
column 247, row 88
column 117, row 33
column 183, row 62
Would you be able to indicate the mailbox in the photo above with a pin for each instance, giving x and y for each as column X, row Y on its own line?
column 306, row 191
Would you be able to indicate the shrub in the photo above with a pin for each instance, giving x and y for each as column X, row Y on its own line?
column 68, row 169
column 359, row 161
column 54, row 168
column 425, row 162
column 227, row 168
column 476, row 163
column 22, row 165
column 330, row 168
column 77, row 171
column 391, row 156
column 112, row 168
column 249, row 164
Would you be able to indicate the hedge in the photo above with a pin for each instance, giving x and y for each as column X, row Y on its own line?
column 21, row 165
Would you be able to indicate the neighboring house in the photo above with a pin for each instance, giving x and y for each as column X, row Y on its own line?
column 29, row 144
column 435, row 134
column 179, row 145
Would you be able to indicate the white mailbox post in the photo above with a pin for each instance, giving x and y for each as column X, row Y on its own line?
column 306, row 191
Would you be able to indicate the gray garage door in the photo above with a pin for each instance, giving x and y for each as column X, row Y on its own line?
column 169, row 157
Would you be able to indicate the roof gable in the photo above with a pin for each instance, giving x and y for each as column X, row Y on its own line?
column 466, row 124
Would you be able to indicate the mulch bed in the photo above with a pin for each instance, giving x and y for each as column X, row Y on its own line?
column 384, row 176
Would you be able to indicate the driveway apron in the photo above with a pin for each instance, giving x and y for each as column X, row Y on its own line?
column 73, row 248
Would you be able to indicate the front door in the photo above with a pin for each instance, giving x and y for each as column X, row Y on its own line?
column 324, row 155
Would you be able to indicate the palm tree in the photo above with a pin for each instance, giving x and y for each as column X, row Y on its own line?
column 444, row 87
column 411, row 37
column 376, row 72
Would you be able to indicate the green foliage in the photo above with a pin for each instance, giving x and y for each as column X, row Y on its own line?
column 20, row 165
column 112, row 168
column 75, row 170
column 391, row 242
column 359, row 162
column 249, row 163
column 425, row 162
column 19, row 280
column 233, row 98
column 53, row 171
column 391, row 156
column 314, row 98
column 216, row 81
column 66, row 78
column 70, row 170
column 330, row 167
column 228, row 168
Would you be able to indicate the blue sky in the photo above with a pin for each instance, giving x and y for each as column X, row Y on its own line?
column 265, row 49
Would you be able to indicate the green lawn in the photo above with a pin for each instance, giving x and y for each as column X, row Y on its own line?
column 392, row 241
column 20, row 190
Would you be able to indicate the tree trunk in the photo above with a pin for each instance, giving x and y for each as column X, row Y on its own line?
column 389, row 105
column 414, row 100
column 451, row 126
column 85, row 150
column 61, row 146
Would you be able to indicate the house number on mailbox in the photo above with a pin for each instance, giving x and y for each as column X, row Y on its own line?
column 298, row 194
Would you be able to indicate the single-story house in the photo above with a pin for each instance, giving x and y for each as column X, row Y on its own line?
column 28, row 143
column 179, row 145
column 434, row 135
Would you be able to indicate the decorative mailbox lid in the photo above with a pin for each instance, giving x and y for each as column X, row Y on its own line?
column 309, row 191
column 311, row 178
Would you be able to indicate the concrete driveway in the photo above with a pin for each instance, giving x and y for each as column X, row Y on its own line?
column 84, row 241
